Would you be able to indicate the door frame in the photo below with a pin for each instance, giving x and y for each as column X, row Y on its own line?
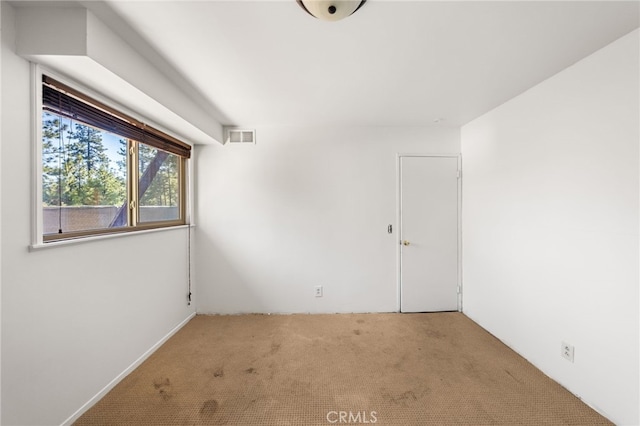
column 398, row 240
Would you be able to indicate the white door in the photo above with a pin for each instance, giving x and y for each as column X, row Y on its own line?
column 428, row 234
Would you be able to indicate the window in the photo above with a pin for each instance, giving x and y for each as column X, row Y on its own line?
column 103, row 171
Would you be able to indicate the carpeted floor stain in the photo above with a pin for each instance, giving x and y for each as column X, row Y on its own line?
column 387, row 369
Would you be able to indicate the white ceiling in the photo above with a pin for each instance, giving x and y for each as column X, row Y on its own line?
column 392, row 63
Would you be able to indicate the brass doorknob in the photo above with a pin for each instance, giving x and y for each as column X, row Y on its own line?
column 405, row 243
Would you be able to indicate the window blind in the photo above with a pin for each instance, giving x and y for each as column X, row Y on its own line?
column 63, row 100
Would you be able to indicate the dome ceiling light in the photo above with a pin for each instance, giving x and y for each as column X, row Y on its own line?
column 330, row 10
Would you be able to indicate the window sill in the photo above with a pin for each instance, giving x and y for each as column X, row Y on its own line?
column 52, row 244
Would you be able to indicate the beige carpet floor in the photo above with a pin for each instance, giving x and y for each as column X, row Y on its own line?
column 387, row 369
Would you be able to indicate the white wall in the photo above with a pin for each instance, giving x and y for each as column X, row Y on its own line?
column 1, row 37
column 304, row 207
column 550, row 226
column 73, row 317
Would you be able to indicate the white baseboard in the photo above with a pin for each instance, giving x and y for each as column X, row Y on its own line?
column 75, row 416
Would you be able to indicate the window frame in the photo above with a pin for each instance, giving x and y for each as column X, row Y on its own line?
column 39, row 239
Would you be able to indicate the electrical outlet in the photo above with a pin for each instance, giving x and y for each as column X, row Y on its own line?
column 318, row 291
column 567, row 351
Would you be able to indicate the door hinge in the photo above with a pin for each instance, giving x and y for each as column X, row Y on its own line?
column 132, row 205
column 459, row 173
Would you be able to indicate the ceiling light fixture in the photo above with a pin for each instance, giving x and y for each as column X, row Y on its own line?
column 331, row 10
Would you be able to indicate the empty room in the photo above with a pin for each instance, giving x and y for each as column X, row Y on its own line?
column 281, row 212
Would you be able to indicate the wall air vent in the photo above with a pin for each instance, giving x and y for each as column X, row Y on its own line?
column 241, row 136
